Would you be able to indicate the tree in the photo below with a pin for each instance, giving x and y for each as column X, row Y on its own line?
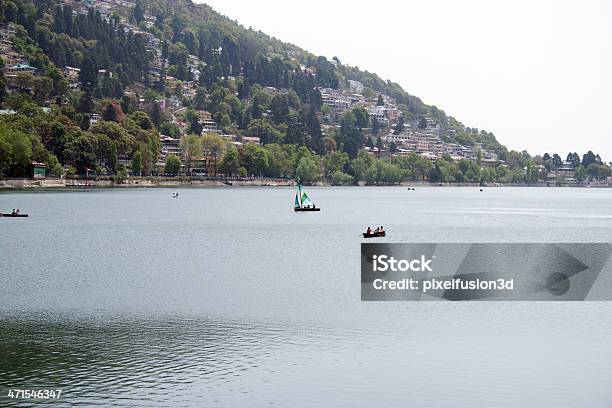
column 112, row 112
column 335, row 162
column 330, row 144
column 88, row 76
column 362, row 117
column 547, row 160
column 369, row 142
column 361, row 164
column 588, row 159
column 556, row 161
column 280, row 108
column 254, row 159
column 138, row 12
column 142, row 120
column 350, row 136
column 375, row 126
column 128, row 104
column 199, row 101
column 379, row 144
column 399, row 127
column 573, row 159
column 43, row 86
column 2, row 84
column 231, row 162
column 422, row 123
column 112, row 160
column 137, row 163
column 25, row 81
column 156, row 115
column 307, row 170
column 191, row 145
column 86, row 104
column 16, row 152
column 81, row 152
column 213, row 145
column 173, row 165
column 265, row 130
column 341, row 179
column 114, row 132
column 580, row 174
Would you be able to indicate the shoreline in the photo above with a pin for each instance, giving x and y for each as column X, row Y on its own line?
column 153, row 182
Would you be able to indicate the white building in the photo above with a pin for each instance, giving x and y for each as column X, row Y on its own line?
column 355, row 86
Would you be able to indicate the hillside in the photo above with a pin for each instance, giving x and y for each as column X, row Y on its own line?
column 114, row 87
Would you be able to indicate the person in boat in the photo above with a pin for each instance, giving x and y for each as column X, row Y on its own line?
column 13, row 213
column 369, row 231
column 381, row 230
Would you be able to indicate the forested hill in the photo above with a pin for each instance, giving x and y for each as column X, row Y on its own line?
column 168, row 86
column 202, row 29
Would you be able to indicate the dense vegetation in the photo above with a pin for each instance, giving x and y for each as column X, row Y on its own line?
column 234, row 67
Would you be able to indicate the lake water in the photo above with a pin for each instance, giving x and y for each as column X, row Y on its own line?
column 227, row 298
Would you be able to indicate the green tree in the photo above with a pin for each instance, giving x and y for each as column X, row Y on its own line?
column 213, row 145
column 362, row 117
column 231, row 162
column 137, row 163
column 191, row 145
column 307, row 170
column 581, row 174
column 375, row 126
column 399, row 127
column 361, row 164
column 138, row 12
column 335, row 162
column 172, row 165
column 112, row 160
column 341, row 179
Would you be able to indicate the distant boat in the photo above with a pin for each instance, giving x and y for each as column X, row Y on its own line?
column 303, row 202
column 14, row 215
column 375, row 234
column 175, row 195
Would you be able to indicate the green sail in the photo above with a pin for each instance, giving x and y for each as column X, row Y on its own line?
column 297, row 202
column 306, row 200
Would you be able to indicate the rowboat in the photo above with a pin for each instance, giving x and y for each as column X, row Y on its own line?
column 374, row 234
column 14, row 215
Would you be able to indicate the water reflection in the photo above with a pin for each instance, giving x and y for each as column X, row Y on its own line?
column 129, row 360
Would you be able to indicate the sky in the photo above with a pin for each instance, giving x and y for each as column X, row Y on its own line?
column 538, row 74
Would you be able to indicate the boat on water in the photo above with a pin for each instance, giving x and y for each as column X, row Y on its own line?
column 375, row 234
column 303, row 202
column 8, row 215
column 175, row 195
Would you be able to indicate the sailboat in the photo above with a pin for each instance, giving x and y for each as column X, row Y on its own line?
column 303, row 202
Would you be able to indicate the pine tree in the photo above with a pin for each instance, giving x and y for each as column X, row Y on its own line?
column 156, row 115
column 375, row 126
column 399, row 127
column 138, row 12
column 112, row 160
column 88, row 76
column 86, row 104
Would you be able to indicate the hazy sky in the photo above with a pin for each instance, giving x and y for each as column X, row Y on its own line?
column 535, row 73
